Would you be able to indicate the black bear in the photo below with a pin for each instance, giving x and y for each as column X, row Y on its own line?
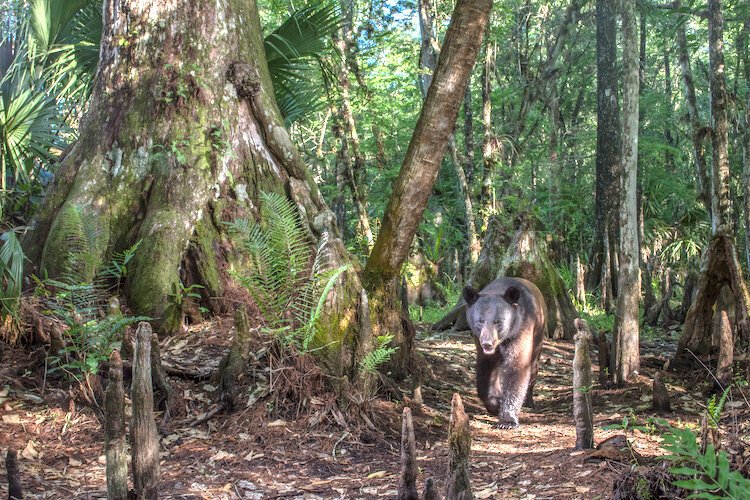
column 507, row 318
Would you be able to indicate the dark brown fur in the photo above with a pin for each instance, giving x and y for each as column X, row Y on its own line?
column 508, row 321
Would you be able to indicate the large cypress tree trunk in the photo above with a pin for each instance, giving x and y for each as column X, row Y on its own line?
column 182, row 134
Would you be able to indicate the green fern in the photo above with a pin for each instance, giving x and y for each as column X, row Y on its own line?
column 289, row 290
column 715, row 408
column 709, row 472
column 278, row 256
column 379, row 355
column 83, row 238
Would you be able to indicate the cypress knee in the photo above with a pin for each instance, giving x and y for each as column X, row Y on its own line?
column 582, row 410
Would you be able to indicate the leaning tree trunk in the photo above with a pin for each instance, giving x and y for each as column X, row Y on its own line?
column 419, row 170
column 171, row 149
column 720, row 264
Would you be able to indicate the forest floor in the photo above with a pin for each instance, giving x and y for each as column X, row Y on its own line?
column 242, row 455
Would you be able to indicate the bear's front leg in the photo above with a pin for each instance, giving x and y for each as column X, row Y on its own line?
column 515, row 385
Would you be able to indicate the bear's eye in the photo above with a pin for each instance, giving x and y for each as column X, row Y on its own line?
column 480, row 321
column 497, row 321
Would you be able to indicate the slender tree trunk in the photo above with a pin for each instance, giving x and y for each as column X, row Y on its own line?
column 608, row 139
column 699, row 132
column 356, row 172
column 627, row 330
column 720, row 193
column 421, row 165
column 491, row 147
column 742, row 51
column 429, row 49
column 170, row 168
column 469, row 137
column 472, row 241
column 668, row 137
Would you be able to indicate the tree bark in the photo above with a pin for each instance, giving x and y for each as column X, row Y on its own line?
column 420, row 168
column 608, row 138
column 115, row 444
column 144, row 437
column 629, row 288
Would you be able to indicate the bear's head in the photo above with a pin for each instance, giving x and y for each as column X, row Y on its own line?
column 492, row 317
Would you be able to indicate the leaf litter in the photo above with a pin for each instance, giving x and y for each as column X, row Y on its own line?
column 254, row 453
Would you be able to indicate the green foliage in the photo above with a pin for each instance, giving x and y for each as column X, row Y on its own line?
column 289, row 291
column 293, row 50
column 379, row 355
column 79, row 297
column 597, row 317
column 708, row 473
column 11, row 273
column 714, row 407
column 88, row 344
column 54, row 50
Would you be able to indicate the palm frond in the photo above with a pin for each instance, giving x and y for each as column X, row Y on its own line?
column 294, row 51
column 11, row 272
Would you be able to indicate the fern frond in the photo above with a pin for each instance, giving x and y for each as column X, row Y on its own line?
column 381, row 354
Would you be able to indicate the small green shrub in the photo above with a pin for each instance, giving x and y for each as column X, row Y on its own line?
column 708, row 474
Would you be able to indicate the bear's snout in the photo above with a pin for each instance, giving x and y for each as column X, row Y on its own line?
column 488, row 341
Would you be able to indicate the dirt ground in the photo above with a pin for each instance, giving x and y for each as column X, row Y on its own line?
column 252, row 454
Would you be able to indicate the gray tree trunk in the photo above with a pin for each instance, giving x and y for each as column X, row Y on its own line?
column 720, row 264
column 627, row 359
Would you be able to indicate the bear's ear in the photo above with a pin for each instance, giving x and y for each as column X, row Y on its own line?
column 512, row 295
column 470, row 295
